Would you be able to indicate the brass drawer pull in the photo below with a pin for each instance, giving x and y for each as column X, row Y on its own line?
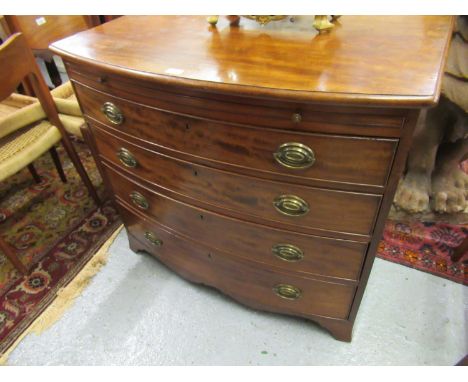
column 289, row 292
column 151, row 237
column 287, row 252
column 139, row 200
column 294, row 155
column 296, row 118
column 291, row 205
column 112, row 113
column 127, row 158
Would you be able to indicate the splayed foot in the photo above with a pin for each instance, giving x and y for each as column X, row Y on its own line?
column 450, row 189
column 413, row 193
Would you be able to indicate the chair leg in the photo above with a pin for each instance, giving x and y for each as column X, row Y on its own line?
column 53, row 72
column 79, row 167
column 34, row 173
column 58, row 164
column 12, row 257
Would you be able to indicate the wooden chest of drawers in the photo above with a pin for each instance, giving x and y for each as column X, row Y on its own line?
column 259, row 161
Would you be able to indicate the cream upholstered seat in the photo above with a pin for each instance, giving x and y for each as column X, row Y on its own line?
column 19, row 110
column 65, row 99
column 14, row 102
column 69, row 109
column 22, row 147
column 25, row 144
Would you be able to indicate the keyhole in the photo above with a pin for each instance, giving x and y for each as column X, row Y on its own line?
column 201, row 217
column 187, row 126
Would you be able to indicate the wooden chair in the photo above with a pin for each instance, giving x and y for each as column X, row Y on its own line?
column 24, row 139
column 41, row 31
column 14, row 110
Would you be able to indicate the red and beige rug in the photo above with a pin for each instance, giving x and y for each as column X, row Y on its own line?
column 425, row 246
column 53, row 225
column 426, row 241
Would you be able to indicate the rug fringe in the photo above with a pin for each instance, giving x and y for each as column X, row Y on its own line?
column 66, row 296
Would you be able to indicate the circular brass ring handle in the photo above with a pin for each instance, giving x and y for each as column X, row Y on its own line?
column 288, row 292
column 291, row 205
column 296, row 118
column 112, row 113
column 139, row 200
column 127, row 158
column 287, row 252
column 151, row 237
column 294, row 155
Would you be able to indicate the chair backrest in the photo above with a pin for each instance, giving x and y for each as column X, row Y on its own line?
column 41, row 31
column 17, row 63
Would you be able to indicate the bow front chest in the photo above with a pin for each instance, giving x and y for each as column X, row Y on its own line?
column 261, row 161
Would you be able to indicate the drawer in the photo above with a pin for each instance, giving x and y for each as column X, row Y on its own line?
column 271, row 113
column 290, row 251
column 296, row 156
column 293, row 206
column 247, row 282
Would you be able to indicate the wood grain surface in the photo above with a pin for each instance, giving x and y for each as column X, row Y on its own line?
column 236, row 277
column 324, row 258
column 338, row 158
column 358, row 61
column 252, row 197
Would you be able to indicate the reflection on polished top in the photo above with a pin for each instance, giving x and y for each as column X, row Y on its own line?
column 377, row 59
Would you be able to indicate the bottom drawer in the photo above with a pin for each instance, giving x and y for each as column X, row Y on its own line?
column 247, row 282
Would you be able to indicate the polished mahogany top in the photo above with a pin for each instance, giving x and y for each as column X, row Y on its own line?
column 385, row 60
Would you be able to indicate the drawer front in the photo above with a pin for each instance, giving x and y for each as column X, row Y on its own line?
column 333, row 158
column 247, row 282
column 270, row 113
column 287, row 204
column 287, row 250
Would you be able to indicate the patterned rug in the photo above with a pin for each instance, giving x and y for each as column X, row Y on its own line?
column 53, row 225
column 425, row 246
column 426, row 241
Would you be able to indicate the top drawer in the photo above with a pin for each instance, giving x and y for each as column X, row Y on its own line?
column 271, row 113
column 299, row 157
